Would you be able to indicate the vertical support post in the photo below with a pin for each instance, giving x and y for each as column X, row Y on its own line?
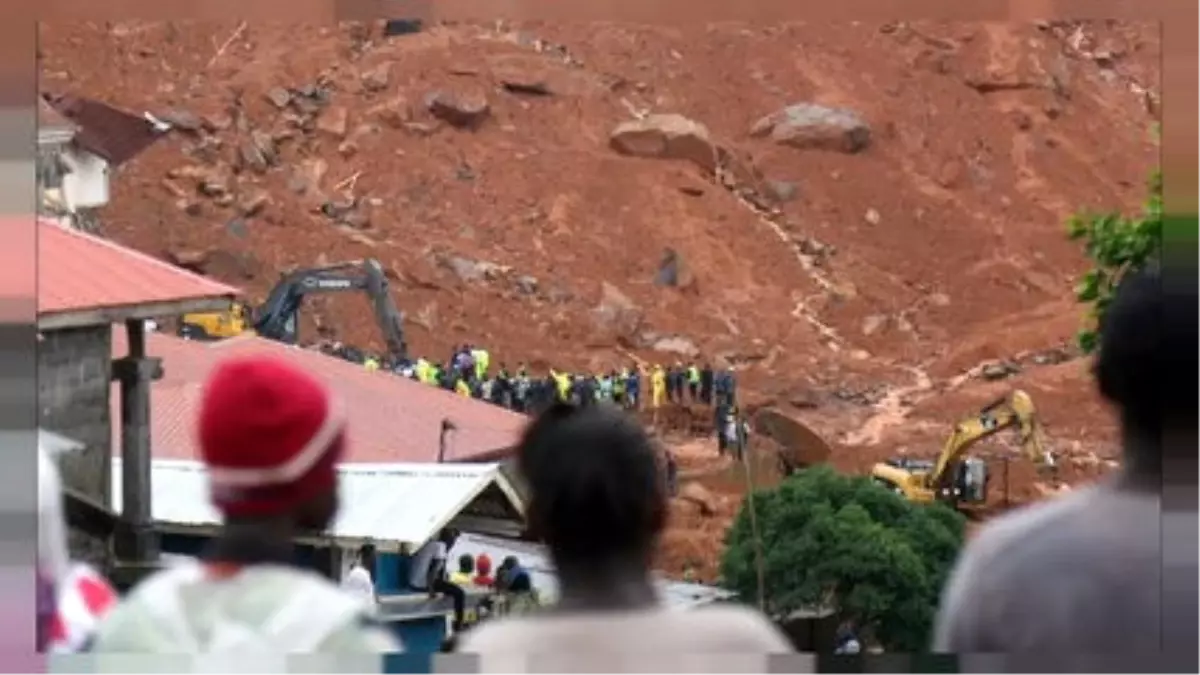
column 137, row 537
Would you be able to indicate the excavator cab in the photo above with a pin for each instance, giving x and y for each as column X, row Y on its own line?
column 971, row 481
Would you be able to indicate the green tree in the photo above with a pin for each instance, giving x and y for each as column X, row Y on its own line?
column 829, row 539
column 1116, row 245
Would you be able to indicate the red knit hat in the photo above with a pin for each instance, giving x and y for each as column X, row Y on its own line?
column 271, row 435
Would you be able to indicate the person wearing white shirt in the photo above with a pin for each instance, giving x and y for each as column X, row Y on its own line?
column 358, row 581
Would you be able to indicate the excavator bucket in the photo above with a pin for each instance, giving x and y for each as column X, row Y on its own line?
column 799, row 445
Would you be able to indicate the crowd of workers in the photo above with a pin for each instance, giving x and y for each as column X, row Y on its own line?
column 1072, row 585
column 469, row 373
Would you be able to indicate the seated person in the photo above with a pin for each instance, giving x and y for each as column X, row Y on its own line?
column 428, row 573
column 483, row 572
column 466, row 570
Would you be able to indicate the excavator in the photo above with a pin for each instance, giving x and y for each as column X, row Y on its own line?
column 962, row 481
column 276, row 319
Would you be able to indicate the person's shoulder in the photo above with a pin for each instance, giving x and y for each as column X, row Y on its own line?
column 738, row 627
column 1034, row 525
column 504, row 634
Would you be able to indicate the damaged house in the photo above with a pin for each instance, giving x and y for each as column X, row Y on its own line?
column 80, row 142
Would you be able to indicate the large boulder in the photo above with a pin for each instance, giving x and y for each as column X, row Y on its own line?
column 464, row 108
column 813, row 126
column 667, row 136
column 616, row 313
column 800, row 446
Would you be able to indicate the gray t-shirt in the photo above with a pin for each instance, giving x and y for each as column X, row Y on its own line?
column 726, row 638
column 1072, row 583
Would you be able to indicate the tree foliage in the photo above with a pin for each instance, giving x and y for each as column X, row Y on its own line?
column 1116, row 244
column 829, row 539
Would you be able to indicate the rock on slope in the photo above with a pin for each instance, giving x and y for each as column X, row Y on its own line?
column 475, row 162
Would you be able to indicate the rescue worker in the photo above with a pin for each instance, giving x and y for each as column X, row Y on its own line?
column 503, row 388
column 466, row 362
column 720, row 420
column 605, row 390
column 422, row 370
column 461, row 387
column 633, row 388
column 735, row 432
column 522, row 390
column 706, row 384
column 481, row 358
column 658, row 387
column 675, row 382
column 693, row 383
column 618, row 386
column 562, row 382
column 726, row 386
column 407, row 369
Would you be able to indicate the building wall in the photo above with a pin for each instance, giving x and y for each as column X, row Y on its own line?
column 74, row 368
column 86, row 186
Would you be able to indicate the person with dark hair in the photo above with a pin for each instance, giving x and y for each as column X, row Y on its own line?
column 466, row 570
column 598, row 498
column 428, row 572
column 359, row 580
column 1082, row 578
column 271, row 436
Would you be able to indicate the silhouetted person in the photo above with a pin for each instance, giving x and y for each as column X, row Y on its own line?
column 706, row 384
column 1104, row 573
column 598, row 499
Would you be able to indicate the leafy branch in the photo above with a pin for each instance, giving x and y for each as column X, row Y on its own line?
column 1117, row 245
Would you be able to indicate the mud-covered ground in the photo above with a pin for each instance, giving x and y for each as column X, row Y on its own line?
column 867, row 304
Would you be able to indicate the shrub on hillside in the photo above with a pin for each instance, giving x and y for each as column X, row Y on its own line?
column 830, row 539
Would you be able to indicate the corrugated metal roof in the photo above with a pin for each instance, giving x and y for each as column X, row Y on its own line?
column 392, row 419
column 103, row 130
column 77, row 272
column 536, row 559
column 388, row 504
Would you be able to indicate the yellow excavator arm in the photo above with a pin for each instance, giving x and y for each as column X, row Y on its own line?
column 1016, row 409
column 925, row 482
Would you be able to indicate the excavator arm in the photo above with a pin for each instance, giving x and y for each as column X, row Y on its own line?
column 1016, row 409
column 277, row 317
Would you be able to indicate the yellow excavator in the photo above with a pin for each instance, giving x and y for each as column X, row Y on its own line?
column 958, row 480
column 276, row 319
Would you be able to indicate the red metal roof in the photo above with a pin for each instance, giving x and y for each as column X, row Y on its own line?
column 77, row 271
column 18, row 274
column 392, row 419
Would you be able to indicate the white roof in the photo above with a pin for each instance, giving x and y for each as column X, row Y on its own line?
column 536, row 560
column 389, row 504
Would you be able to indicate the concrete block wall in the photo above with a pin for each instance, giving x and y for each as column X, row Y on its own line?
column 73, row 399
